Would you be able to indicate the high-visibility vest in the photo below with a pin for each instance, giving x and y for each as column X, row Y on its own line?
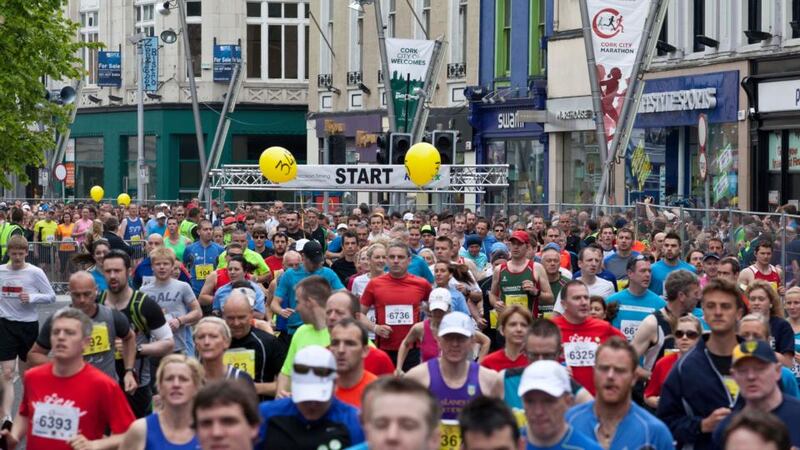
column 5, row 233
column 186, row 228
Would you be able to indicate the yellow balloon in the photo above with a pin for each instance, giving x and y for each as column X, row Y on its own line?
column 124, row 199
column 422, row 163
column 97, row 193
column 278, row 165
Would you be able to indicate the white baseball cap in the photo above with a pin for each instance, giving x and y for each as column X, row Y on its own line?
column 407, row 217
column 160, row 215
column 547, row 376
column 298, row 246
column 439, row 299
column 456, row 322
column 341, row 226
column 316, row 382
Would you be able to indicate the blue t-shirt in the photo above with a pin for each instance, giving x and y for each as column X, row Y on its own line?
column 637, row 429
column 458, row 302
column 420, row 268
column 336, row 245
column 796, row 366
column 99, row 279
column 633, row 309
column 196, row 255
column 153, row 227
column 133, row 228
column 339, row 413
column 221, row 296
column 285, row 291
column 572, row 440
column 661, row 271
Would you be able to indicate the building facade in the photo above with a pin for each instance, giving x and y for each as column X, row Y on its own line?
column 273, row 40
column 347, row 102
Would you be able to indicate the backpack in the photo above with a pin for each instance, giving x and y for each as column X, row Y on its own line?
column 135, row 309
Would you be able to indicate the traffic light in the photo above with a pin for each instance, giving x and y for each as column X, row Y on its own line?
column 337, row 149
column 445, row 143
column 383, row 148
column 399, row 143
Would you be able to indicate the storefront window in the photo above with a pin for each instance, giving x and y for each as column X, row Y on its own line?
column 582, row 167
column 722, row 155
column 526, row 172
column 646, row 162
column 775, row 143
column 89, row 164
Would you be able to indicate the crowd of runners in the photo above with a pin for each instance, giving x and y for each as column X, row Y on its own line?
column 261, row 326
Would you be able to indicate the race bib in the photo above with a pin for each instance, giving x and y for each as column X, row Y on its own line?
column 55, row 421
column 580, row 354
column 520, row 299
column 50, row 239
column 99, row 341
column 493, row 319
column 774, row 286
column 148, row 280
column 372, row 319
column 136, row 238
column 399, row 315
column 242, row 359
column 202, row 271
column 629, row 327
column 796, row 369
column 450, row 435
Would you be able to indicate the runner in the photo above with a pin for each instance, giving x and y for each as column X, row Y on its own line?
column 22, row 286
column 225, row 415
column 201, row 257
column 763, row 270
column 110, row 331
column 580, row 333
column 257, row 352
column 131, row 228
column 636, row 302
column 792, row 304
column 519, row 281
column 687, row 332
column 398, row 413
column 670, row 261
column 212, row 337
column 153, row 333
column 452, row 377
column 617, row 262
column 512, row 324
column 67, row 403
column 612, row 418
column 486, row 423
column 178, row 378
column 765, row 301
column 397, row 297
column 349, row 345
column 176, row 241
column 175, row 298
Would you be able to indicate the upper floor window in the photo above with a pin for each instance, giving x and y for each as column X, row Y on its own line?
column 502, row 53
column 795, row 19
column 753, row 18
column 698, row 23
column 391, row 21
column 277, row 40
column 145, row 18
column 89, row 33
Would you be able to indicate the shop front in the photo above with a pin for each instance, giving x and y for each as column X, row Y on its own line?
column 663, row 157
column 506, row 134
column 776, row 133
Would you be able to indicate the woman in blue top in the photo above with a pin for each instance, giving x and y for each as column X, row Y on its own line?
column 97, row 251
column 179, row 378
column 792, row 304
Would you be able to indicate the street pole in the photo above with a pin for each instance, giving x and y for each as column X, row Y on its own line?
column 140, row 167
column 198, row 127
column 387, row 77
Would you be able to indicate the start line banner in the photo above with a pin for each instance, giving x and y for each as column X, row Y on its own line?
column 361, row 177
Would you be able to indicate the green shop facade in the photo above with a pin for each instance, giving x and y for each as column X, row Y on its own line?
column 106, row 147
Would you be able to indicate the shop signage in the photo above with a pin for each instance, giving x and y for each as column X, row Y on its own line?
column 507, row 120
column 721, row 184
column 363, row 177
column 725, row 159
column 779, row 96
column 109, row 69
column 641, row 168
column 150, row 63
column 575, row 114
column 686, row 100
column 570, row 114
column 225, row 58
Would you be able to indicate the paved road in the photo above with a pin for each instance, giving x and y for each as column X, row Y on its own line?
column 44, row 312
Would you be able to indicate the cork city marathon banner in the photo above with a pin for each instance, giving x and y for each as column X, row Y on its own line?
column 617, row 31
column 408, row 65
column 361, row 178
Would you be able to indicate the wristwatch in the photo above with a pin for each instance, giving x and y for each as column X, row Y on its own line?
column 131, row 370
column 138, row 349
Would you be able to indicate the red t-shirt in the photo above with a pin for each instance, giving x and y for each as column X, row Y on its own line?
column 274, row 263
column 580, row 341
column 400, row 298
column 498, row 361
column 659, row 375
column 378, row 362
column 352, row 396
column 90, row 395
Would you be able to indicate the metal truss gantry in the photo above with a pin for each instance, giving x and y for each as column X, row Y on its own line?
column 467, row 179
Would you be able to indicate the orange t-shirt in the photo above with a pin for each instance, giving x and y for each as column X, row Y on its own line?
column 352, row 396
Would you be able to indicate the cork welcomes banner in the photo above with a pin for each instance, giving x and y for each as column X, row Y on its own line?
column 617, row 30
column 408, row 66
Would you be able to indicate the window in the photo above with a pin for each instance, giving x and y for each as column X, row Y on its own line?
column 194, row 8
column 89, row 33
column 326, row 19
column 426, row 18
column 663, row 36
column 145, row 20
column 356, row 40
column 458, row 53
column 88, row 163
column 194, row 32
column 699, row 23
column 536, row 59
column 392, row 20
column 284, row 27
column 189, row 164
column 149, row 160
column 795, row 15
column 753, row 18
column 502, row 54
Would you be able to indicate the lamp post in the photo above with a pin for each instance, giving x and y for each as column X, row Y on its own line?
column 141, row 187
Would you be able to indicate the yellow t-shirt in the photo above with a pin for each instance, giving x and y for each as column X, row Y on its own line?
column 45, row 231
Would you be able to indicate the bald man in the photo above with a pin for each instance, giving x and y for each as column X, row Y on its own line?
column 257, row 352
column 111, row 331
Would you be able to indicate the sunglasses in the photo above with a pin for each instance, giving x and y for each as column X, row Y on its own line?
column 303, row 369
column 542, row 356
column 680, row 334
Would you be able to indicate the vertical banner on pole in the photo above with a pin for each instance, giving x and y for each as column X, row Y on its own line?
column 150, row 63
column 617, row 31
column 408, row 63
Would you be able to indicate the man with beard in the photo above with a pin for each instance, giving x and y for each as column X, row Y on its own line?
column 293, row 229
column 671, row 261
column 612, row 417
column 636, row 301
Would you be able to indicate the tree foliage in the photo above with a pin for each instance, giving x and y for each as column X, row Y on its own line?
column 36, row 40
